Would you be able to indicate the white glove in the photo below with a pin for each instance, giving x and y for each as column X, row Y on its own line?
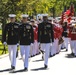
column 5, row 43
column 51, row 44
column 31, row 44
column 17, row 44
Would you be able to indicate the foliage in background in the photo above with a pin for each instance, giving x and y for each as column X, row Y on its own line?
column 32, row 7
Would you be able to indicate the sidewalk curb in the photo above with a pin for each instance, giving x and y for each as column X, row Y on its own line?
column 4, row 55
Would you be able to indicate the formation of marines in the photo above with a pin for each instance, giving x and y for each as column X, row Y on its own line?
column 46, row 36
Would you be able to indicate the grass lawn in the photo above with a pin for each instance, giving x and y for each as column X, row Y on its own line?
column 0, row 31
column 1, row 45
column 3, row 53
column 1, row 48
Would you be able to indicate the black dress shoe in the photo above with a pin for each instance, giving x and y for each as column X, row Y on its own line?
column 72, row 54
column 66, row 49
column 63, row 48
column 45, row 66
column 25, row 69
column 51, row 56
column 12, row 70
column 57, row 52
column 12, row 67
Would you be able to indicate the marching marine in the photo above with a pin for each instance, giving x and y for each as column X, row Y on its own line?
column 45, row 37
column 65, row 34
column 26, row 39
column 11, row 38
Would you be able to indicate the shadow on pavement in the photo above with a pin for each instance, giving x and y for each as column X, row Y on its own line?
column 69, row 56
column 3, row 56
column 5, row 70
column 37, row 69
column 19, row 71
column 37, row 60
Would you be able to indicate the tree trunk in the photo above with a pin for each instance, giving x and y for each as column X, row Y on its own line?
column 3, row 25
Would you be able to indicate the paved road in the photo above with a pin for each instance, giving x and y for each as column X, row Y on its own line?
column 61, row 64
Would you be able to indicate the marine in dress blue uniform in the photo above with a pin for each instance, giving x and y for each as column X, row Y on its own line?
column 26, row 39
column 65, row 35
column 11, row 38
column 45, row 37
